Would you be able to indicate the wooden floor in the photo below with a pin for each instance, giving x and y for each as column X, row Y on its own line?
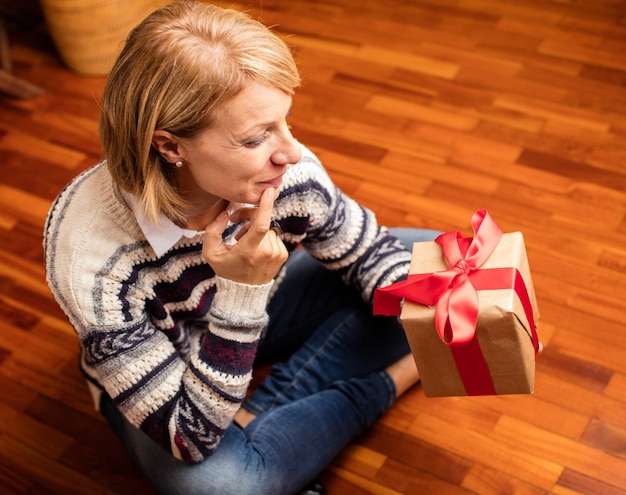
column 425, row 111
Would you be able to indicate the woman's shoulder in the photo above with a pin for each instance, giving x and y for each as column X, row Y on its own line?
column 88, row 238
column 89, row 201
column 82, row 191
column 88, row 218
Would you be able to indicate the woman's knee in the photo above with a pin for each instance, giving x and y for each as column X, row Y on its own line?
column 235, row 468
column 408, row 236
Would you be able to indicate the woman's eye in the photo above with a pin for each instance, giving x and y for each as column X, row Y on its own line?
column 255, row 142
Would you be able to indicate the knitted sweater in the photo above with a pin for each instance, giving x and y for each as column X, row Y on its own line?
column 170, row 342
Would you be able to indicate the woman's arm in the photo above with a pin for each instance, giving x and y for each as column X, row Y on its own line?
column 341, row 233
column 184, row 399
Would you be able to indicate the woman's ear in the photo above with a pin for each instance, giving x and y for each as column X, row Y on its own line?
column 167, row 145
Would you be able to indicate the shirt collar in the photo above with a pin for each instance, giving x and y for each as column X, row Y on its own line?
column 162, row 236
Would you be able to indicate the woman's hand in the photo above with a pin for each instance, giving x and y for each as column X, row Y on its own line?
column 258, row 254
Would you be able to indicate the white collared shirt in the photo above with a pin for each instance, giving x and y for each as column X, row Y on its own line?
column 163, row 236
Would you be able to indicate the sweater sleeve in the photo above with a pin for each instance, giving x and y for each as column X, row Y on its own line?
column 343, row 234
column 185, row 405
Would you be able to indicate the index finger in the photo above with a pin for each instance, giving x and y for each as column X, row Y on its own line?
column 260, row 224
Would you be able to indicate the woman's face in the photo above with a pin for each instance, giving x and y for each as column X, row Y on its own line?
column 246, row 151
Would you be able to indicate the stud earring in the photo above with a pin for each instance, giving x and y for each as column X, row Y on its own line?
column 179, row 163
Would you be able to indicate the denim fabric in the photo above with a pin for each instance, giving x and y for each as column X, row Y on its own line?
column 328, row 386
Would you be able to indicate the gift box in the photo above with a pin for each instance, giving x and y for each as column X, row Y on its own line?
column 469, row 312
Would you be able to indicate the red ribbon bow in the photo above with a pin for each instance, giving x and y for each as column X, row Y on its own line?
column 451, row 290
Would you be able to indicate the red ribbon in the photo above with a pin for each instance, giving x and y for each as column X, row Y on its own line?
column 450, row 290
column 469, row 359
column 454, row 293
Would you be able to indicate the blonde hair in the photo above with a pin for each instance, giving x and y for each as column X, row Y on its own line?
column 177, row 67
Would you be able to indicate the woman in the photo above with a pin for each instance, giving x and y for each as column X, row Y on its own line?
column 176, row 261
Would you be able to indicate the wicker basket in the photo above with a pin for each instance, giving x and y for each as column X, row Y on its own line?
column 90, row 33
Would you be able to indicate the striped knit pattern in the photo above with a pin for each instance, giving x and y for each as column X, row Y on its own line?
column 170, row 342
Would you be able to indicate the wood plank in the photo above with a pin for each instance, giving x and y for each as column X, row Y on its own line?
column 57, row 478
column 579, row 483
column 512, row 461
column 40, row 149
column 566, row 452
column 487, row 481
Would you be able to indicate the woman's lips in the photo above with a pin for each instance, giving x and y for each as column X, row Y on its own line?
column 275, row 182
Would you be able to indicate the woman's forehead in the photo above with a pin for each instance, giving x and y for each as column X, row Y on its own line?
column 255, row 104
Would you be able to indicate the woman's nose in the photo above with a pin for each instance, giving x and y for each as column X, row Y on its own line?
column 288, row 151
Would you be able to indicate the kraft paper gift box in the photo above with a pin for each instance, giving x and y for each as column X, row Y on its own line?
column 469, row 314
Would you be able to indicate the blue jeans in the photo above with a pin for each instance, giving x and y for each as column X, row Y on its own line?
column 331, row 386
